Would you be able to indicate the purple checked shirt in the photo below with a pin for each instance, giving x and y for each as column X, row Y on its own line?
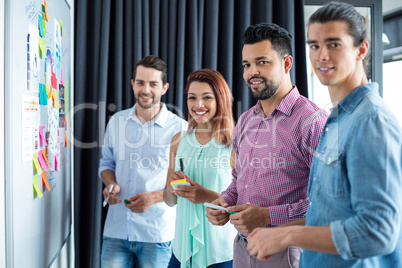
column 274, row 155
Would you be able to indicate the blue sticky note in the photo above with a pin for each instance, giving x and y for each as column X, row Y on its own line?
column 40, row 26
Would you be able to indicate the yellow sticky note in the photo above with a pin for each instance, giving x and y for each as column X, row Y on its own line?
column 36, row 187
column 179, row 182
column 36, row 163
column 56, row 102
column 61, row 27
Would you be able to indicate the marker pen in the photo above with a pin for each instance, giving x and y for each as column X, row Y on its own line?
column 109, row 190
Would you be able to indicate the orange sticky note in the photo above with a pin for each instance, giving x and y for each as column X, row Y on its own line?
column 44, row 180
column 65, row 140
column 46, row 13
column 44, row 156
column 66, row 122
column 36, row 187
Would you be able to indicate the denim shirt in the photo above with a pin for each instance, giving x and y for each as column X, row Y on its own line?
column 355, row 184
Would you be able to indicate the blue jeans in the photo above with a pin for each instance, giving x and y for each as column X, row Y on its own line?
column 119, row 253
column 174, row 263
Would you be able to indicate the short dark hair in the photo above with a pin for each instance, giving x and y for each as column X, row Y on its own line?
column 337, row 11
column 281, row 39
column 154, row 62
column 343, row 12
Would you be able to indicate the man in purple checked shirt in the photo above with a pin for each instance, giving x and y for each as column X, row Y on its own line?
column 273, row 142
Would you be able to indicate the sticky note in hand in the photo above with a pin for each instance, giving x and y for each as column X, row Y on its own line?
column 179, row 182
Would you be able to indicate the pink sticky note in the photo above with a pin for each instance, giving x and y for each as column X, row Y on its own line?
column 56, row 160
column 61, row 77
column 41, row 136
column 42, row 162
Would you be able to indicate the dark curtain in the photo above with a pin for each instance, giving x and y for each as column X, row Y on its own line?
column 113, row 35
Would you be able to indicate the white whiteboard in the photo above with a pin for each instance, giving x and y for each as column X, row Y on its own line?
column 36, row 228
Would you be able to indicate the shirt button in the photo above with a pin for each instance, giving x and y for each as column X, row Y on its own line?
column 251, row 164
column 246, row 186
column 326, row 129
column 256, row 142
column 311, row 203
column 318, row 155
column 329, row 159
column 314, row 178
column 301, row 250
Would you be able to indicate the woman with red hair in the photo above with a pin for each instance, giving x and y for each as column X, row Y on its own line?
column 202, row 155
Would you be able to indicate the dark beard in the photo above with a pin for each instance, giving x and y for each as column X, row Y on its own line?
column 267, row 92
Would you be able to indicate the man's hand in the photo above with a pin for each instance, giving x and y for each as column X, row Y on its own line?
column 249, row 217
column 112, row 196
column 195, row 193
column 141, row 202
column 264, row 242
column 218, row 217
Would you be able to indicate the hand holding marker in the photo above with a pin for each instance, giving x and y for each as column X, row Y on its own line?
column 109, row 190
column 181, row 181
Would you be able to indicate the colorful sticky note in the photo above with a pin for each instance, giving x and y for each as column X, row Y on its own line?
column 55, row 100
column 66, row 140
column 41, row 136
column 56, row 161
column 37, row 191
column 42, row 46
column 179, row 182
column 42, row 94
column 36, row 163
column 40, row 26
column 61, row 77
column 46, row 13
column 54, row 81
column 61, row 27
column 44, row 156
column 42, row 162
column 44, row 180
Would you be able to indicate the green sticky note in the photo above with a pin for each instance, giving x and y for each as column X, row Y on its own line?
column 37, row 165
column 126, row 201
column 61, row 28
column 36, row 187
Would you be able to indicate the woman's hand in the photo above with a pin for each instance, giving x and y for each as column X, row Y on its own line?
column 196, row 193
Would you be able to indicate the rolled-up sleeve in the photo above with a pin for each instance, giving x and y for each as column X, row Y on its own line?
column 374, row 173
column 107, row 160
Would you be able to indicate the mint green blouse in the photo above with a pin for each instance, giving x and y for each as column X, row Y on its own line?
column 198, row 243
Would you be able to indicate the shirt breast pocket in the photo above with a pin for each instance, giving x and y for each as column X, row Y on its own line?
column 329, row 174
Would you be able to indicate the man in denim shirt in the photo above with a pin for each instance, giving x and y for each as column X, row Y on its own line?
column 355, row 184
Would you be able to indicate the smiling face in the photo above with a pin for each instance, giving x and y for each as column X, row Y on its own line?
column 148, row 87
column 333, row 55
column 201, row 102
column 263, row 69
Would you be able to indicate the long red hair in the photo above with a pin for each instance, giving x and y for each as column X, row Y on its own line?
column 223, row 120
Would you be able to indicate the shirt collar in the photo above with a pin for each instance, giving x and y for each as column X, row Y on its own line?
column 350, row 102
column 286, row 104
column 160, row 118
